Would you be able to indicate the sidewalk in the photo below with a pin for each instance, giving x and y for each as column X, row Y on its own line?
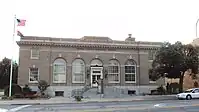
column 62, row 100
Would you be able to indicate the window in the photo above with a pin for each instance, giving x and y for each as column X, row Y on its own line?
column 113, row 71
column 34, row 53
column 151, row 55
column 78, row 71
column 33, row 75
column 151, row 76
column 59, row 71
column 196, row 91
column 59, row 93
column 130, row 71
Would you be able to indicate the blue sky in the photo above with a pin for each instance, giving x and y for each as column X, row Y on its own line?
column 146, row 20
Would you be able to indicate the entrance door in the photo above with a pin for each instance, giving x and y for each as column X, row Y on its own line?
column 96, row 74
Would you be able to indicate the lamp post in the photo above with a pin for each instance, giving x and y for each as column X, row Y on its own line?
column 197, row 28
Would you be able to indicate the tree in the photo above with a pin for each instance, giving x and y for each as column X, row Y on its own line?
column 5, row 72
column 173, row 60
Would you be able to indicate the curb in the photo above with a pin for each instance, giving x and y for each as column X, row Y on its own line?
column 87, row 102
column 26, row 104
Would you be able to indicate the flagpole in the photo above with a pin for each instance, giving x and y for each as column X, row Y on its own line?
column 11, row 66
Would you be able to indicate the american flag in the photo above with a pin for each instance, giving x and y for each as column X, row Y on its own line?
column 21, row 22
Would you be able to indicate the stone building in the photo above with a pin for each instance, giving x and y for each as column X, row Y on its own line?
column 69, row 63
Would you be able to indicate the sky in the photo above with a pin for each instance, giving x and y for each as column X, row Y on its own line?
column 146, row 20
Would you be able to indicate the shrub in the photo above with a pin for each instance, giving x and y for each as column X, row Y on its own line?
column 26, row 90
column 154, row 92
column 161, row 90
column 194, row 76
column 78, row 98
column 43, row 85
column 195, row 84
column 16, row 89
column 174, row 87
column 4, row 97
column 7, row 98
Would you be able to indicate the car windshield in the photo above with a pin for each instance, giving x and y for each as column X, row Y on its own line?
column 188, row 91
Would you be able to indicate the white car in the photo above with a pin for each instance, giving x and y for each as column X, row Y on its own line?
column 189, row 94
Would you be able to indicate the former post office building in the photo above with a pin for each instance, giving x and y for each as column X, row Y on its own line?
column 71, row 63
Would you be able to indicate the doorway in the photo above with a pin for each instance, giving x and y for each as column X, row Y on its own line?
column 96, row 74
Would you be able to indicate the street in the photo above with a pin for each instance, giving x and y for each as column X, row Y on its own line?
column 139, row 106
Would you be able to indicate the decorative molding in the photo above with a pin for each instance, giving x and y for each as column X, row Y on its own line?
column 130, row 57
column 96, row 56
column 89, row 45
column 60, row 55
column 114, row 56
column 85, row 51
column 78, row 55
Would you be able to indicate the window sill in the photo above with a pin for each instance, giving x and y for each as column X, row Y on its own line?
column 152, row 82
column 33, row 82
column 112, row 82
column 59, row 82
column 128, row 82
column 76, row 82
column 150, row 60
column 34, row 58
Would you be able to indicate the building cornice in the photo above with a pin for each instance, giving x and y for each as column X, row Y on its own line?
column 88, row 44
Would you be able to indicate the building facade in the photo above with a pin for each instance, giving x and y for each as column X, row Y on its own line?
column 69, row 63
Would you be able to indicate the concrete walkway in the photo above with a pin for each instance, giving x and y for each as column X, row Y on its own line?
column 62, row 100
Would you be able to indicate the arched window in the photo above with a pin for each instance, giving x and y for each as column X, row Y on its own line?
column 59, row 71
column 130, row 71
column 78, row 71
column 113, row 71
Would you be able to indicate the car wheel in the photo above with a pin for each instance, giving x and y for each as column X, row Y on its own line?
column 188, row 97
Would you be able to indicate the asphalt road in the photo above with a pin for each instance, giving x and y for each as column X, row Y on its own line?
column 140, row 106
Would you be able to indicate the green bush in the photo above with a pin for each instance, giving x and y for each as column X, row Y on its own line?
column 78, row 98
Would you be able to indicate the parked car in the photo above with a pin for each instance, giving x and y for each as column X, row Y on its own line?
column 189, row 94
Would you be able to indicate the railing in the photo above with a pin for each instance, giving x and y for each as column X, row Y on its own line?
column 80, row 92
